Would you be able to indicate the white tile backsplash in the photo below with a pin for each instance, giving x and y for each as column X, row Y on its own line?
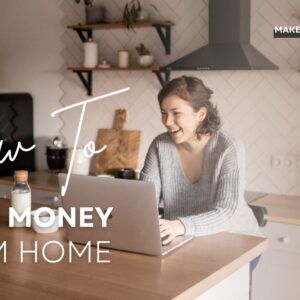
column 260, row 107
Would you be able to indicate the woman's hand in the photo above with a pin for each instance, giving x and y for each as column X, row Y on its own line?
column 170, row 229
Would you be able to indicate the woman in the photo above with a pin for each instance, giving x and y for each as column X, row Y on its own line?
column 198, row 170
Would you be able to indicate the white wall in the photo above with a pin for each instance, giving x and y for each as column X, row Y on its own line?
column 260, row 107
column 30, row 60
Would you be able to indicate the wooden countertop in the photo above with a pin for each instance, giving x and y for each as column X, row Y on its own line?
column 185, row 273
column 281, row 208
column 41, row 180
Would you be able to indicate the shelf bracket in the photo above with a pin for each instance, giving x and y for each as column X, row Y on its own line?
column 87, row 81
column 164, row 32
column 84, row 34
column 162, row 76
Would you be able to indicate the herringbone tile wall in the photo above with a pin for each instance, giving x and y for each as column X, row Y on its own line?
column 260, row 107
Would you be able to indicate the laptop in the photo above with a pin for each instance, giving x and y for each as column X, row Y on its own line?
column 134, row 222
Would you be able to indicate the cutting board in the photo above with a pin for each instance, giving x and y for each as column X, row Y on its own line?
column 123, row 146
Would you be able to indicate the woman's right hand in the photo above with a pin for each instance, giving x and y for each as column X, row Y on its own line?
column 170, row 229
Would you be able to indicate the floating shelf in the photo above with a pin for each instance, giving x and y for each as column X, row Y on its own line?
column 163, row 29
column 116, row 25
column 85, row 31
column 296, row 15
column 82, row 69
column 86, row 74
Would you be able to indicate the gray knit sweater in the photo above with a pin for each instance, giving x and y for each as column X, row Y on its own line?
column 214, row 203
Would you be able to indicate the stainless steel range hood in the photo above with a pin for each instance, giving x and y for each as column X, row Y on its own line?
column 229, row 42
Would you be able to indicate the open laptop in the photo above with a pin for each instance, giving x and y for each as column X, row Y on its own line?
column 134, row 222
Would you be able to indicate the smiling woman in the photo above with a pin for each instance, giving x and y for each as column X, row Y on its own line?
column 198, row 169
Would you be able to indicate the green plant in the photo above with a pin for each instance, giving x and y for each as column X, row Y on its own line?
column 130, row 13
column 142, row 50
column 86, row 2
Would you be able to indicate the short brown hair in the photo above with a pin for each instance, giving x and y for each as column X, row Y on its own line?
column 193, row 90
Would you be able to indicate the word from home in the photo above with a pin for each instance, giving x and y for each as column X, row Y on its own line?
column 85, row 216
column 286, row 31
column 50, row 247
column 12, row 157
column 89, row 148
column 92, row 149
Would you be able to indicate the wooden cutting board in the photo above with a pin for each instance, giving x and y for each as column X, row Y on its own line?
column 123, row 146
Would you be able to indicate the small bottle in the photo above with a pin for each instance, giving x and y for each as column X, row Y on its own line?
column 20, row 194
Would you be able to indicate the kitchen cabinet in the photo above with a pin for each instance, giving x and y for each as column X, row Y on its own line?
column 85, row 32
column 277, row 274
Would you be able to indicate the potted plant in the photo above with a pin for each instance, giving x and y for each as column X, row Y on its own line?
column 93, row 14
column 133, row 12
column 145, row 57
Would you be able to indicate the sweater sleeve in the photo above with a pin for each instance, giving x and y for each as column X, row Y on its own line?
column 230, row 188
column 150, row 171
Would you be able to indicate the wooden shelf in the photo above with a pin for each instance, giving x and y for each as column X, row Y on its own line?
column 83, row 69
column 86, row 74
column 296, row 68
column 118, row 25
column 85, row 31
column 163, row 28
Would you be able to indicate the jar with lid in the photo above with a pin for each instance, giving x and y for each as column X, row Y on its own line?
column 20, row 194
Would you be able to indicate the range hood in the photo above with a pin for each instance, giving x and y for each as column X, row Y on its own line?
column 229, row 42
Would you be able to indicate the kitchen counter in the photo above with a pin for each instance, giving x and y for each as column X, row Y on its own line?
column 48, row 181
column 192, row 270
column 281, row 208
column 41, row 180
column 44, row 187
column 277, row 275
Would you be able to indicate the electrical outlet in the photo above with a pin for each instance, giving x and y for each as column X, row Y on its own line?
column 276, row 161
column 288, row 162
column 284, row 162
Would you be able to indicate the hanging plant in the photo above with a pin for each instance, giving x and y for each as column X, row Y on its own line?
column 130, row 13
